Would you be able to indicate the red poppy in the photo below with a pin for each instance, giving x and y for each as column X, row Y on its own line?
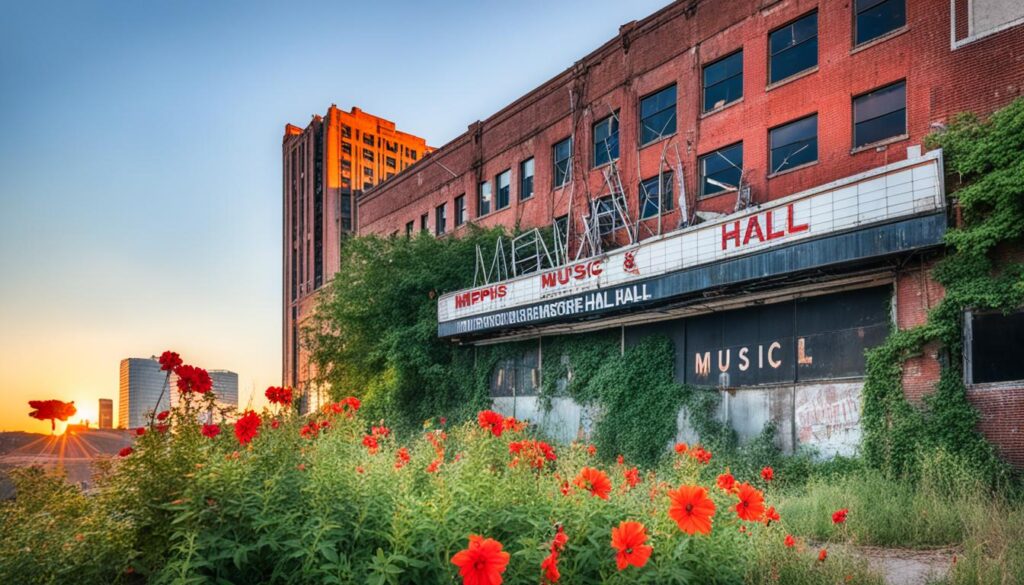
column 279, row 395
column 681, row 448
column 628, row 539
column 839, row 516
column 790, row 542
column 162, row 428
column 632, row 476
column 140, row 431
column 595, row 481
column 380, row 431
column 768, row 473
column 275, row 423
column 309, row 430
column 701, row 454
column 822, row 555
column 169, row 360
column 125, row 451
column 247, row 427
column 591, row 450
column 770, row 515
column 512, row 424
column 434, row 465
column 560, row 539
column 193, row 379
column 726, row 482
column 692, row 509
column 401, row 458
column 482, row 562
column 751, row 504
column 163, row 415
column 565, row 488
column 550, row 568
column 371, row 444
column 211, row 431
column 492, row 421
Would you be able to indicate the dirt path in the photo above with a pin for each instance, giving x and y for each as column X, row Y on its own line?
column 903, row 566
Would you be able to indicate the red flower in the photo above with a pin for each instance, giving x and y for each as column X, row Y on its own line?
column 726, row 482
column 125, row 451
column 692, row 509
column 434, row 465
column 211, row 431
column 628, row 539
column 790, row 542
column 371, row 444
column 595, row 481
column 193, row 379
column 482, row 562
column 751, row 504
column 681, row 448
column 700, row 454
column 279, row 395
column 560, row 539
column 564, row 487
column 162, row 428
column 512, row 424
column 770, row 515
column 822, row 555
column 591, row 450
column 360, row 469
column 140, row 431
column 768, row 473
column 247, row 427
column 169, row 360
column 839, row 516
column 492, row 421
column 620, row 460
column 275, row 423
column 401, row 458
column 550, row 568
column 380, row 431
column 163, row 415
column 632, row 476
column 309, row 430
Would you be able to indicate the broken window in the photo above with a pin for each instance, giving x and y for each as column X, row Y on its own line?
column 658, row 115
column 653, row 200
column 721, row 170
column 794, row 144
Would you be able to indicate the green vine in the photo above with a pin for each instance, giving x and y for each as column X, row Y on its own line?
column 986, row 159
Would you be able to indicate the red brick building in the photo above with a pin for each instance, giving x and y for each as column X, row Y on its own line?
column 335, row 159
column 746, row 177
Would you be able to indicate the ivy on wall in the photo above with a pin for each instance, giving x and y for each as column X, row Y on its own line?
column 986, row 159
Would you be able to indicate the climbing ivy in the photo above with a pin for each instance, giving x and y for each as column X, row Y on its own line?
column 979, row 272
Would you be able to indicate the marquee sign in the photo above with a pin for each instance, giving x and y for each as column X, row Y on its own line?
column 889, row 209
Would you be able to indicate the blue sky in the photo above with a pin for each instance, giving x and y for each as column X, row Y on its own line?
column 140, row 159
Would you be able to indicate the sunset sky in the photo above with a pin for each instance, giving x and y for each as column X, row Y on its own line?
column 140, row 160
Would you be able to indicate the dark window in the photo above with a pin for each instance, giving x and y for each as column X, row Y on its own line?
column 654, row 200
column 409, row 227
column 483, row 199
column 391, row 162
column 878, row 17
column 793, row 48
column 723, row 81
column 563, row 161
column 346, row 131
column 517, row 375
column 412, row 154
column 346, row 182
column 994, row 347
column 346, row 147
column 460, row 210
column 561, row 226
column 367, row 185
column 658, row 115
column 391, row 146
column 389, row 176
column 346, row 164
column 608, row 217
column 721, row 170
column 368, row 171
column 504, row 184
column 880, row 114
column 606, row 140
column 367, row 155
column 441, row 218
column 526, row 179
column 423, row 222
column 794, row 144
column 368, row 140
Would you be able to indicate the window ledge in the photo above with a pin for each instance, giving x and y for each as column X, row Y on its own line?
column 791, row 78
column 1008, row 385
column 792, row 169
column 603, row 165
column 880, row 143
column 732, row 191
column 878, row 40
column 657, row 140
column 562, row 186
column 721, row 108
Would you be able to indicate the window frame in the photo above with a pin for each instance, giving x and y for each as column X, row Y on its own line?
column 641, row 118
column 702, row 174
column 441, row 219
column 461, row 215
column 853, row 118
column 496, row 198
column 523, row 177
column 665, row 205
column 771, row 167
column 555, row 160
column 612, row 120
column 480, row 198
column 425, row 222
column 703, row 85
column 817, row 52
column 968, row 352
column 855, row 25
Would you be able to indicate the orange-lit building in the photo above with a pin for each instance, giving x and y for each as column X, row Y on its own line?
column 325, row 167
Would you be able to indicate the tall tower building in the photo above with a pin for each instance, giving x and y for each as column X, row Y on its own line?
column 106, row 413
column 141, row 385
column 326, row 167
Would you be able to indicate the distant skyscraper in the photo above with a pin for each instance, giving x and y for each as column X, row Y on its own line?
column 141, row 383
column 106, row 413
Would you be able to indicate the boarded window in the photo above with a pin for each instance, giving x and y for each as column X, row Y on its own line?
column 793, row 48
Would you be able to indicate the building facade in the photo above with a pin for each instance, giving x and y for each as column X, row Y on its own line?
column 106, row 413
column 142, row 385
column 325, row 167
column 748, row 178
